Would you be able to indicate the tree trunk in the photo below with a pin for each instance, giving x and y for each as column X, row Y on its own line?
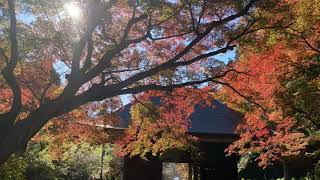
column 17, row 138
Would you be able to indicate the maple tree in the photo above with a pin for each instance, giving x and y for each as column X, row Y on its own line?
column 281, row 78
column 114, row 48
column 268, row 129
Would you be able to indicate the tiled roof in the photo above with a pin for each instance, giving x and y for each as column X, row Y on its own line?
column 215, row 119
column 218, row 119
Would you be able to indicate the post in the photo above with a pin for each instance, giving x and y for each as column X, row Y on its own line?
column 102, row 157
column 285, row 170
column 190, row 171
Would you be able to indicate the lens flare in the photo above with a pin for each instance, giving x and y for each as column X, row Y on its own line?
column 73, row 10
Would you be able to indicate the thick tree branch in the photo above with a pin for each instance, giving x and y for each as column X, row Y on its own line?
column 110, row 54
column 138, row 89
column 100, row 92
column 7, row 71
column 87, row 63
column 75, row 79
column 78, row 50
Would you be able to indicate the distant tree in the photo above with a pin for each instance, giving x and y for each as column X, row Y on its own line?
column 41, row 160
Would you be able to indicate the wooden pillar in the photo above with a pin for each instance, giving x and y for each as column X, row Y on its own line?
column 285, row 170
column 102, row 158
column 190, row 168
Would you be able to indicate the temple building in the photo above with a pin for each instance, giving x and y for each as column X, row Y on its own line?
column 214, row 126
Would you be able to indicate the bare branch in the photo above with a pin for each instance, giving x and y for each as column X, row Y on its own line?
column 78, row 49
column 171, row 36
column 121, row 70
column 248, row 31
column 203, row 9
column 139, row 39
column 169, row 17
column 105, row 61
column 131, row 22
column 298, row 34
column 192, row 18
column 107, row 37
column 241, row 95
column 206, row 55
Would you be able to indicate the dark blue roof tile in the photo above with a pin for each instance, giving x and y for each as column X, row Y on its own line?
column 215, row 119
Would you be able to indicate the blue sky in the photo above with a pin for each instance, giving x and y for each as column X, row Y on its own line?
column 26, row 18
column 226, row 57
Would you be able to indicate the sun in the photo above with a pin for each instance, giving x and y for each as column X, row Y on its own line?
column 73, row 10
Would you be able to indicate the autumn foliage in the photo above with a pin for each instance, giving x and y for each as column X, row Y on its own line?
column 160, row 122
column 67, row 74
column 267, row 129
